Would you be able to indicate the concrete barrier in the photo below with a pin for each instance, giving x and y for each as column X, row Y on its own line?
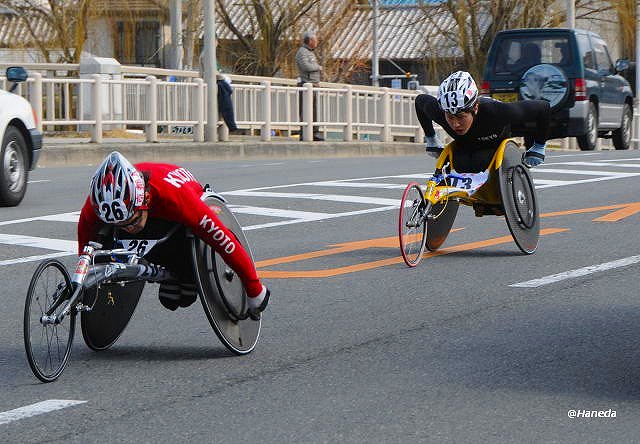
column 61, row 153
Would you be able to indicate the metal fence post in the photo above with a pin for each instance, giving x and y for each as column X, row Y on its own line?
column 36, row 100
column 265, row 129
column 385, row 135
column 199, row 104
column 96, row 135
column 307, row 112
column 51, row 100
column 152, row 109
column 348, row 115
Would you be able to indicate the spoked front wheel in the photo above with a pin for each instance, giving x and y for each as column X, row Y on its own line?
column 48, row 345
column 412, row 224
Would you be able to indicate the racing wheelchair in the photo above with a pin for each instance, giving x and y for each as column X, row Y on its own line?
column 107, row 284
column 504, row 188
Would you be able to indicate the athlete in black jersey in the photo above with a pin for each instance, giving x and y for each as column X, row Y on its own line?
column 478, row 125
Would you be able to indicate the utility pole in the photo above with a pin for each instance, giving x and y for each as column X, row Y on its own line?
column 570, row 143
column 175, row 17
column 210, row 70
column 374, row 60
column 571, row 14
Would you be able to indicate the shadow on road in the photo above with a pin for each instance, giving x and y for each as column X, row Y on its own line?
column 577, row 350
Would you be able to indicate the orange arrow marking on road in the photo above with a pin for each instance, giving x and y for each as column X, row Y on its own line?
column 623, row 210
column 620, row 212
column 381, row 242
column 385, row 242
column 628, row 210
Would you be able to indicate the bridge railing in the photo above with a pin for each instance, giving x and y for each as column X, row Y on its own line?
column 156, row 100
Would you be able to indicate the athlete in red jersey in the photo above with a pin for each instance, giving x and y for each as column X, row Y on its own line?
column 129, row 197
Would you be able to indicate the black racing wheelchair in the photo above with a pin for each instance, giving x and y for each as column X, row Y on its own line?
column 108, row 282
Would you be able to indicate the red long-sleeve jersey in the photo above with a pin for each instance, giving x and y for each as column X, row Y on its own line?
column 175, row 196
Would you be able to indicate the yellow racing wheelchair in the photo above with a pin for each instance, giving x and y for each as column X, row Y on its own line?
column 504, row 188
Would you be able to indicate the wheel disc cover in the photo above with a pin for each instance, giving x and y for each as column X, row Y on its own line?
column 519, row 200
column 14, row 166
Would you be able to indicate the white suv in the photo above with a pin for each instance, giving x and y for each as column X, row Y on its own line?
column 21, row 141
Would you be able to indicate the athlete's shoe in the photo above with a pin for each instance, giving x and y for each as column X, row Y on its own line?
column 176, row 294
column 258, row 304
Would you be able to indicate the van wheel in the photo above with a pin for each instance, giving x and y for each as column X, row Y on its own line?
column 589, row 140
column 622, row 136
column 13, row 167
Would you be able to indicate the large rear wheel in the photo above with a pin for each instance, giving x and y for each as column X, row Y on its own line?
column 221, row 291
column 48, row 345
column 412, row 224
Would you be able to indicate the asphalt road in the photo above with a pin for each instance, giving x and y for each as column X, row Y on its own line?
column 356, row 347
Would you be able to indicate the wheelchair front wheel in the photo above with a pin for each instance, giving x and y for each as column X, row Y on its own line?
column 412, row 225
column 48, row 345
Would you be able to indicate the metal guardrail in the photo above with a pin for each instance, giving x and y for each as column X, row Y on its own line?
column 264, row 105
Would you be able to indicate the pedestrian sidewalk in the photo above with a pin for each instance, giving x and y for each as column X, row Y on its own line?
column 59, row 151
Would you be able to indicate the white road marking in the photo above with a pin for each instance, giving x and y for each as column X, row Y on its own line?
column 64, row 247
column 332, row 216
column 39, row 181
column 311, row 196
column 578, row 272
column 573, row 155
column 36, row 409
column 576, row 182
column 599, row 164
column 39, row 242
column 584, row 172
column 60, row 217
column 40, row 257
column 549, row 182
column 619, row 160
column 277, row 212
column 345, row 184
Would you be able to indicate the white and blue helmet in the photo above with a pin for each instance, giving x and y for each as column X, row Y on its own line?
column 117, row 189
column 457, row 93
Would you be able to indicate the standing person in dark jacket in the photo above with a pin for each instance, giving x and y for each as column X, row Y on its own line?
column 478, row 125
column 310, row 71
column 225, row 105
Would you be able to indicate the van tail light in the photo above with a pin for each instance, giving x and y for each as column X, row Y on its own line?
column 581, row 90
column 485, row 88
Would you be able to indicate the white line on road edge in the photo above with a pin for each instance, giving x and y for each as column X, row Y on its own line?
column 36, row 409
column 39, row 257
column 578, row 272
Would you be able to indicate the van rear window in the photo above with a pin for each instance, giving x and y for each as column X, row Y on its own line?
column 514, row 55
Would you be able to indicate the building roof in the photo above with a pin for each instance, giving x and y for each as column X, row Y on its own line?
column 14, row 33
column 404, row 33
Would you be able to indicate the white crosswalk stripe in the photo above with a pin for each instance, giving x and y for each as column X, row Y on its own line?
column 281, row 205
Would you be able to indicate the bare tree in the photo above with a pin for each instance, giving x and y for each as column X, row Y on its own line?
column 626, row 15
column 66, row 21
column 468, row 27
column 262, row 32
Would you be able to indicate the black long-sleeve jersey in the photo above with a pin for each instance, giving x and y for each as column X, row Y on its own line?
column 491, row 125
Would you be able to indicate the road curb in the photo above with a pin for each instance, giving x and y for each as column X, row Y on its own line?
column 60, row 154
